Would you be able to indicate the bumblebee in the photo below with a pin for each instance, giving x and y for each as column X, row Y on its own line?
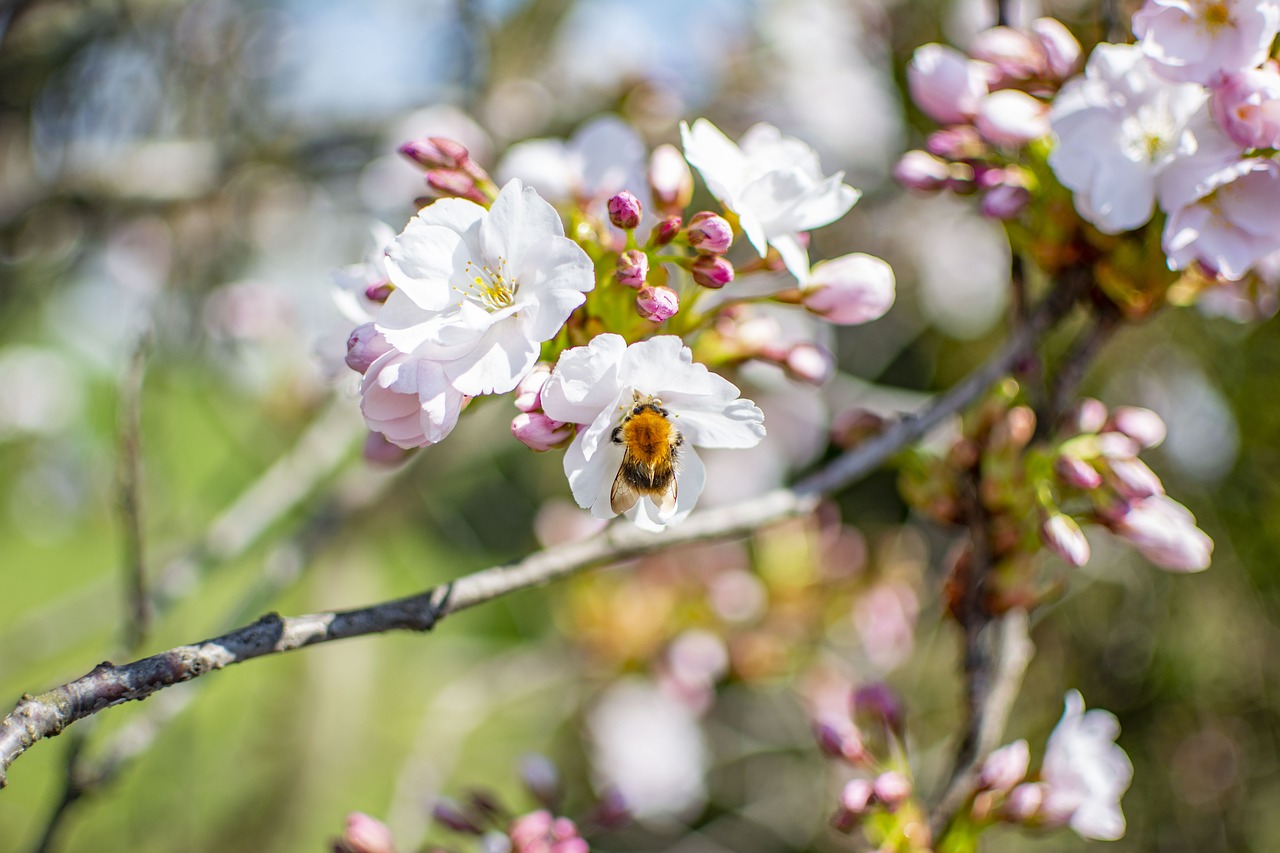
column 651, row 445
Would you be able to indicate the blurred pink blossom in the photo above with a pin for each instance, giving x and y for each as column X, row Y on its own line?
column 541, row 832
column 1247, row 106
column 1062, row 535
column 1012, row 117
column 851, row 289
column 1233, row 228
column 1165, row 532
column 1005, row 767
column 538, row 432
column 945, row 83
column 365, row 834
column 1060, row 48
column 1201, row 40
column 1085, row 773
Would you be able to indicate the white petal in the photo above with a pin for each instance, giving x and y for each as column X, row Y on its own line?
column 519, row 221
column 794, row 255
column 739, row 424
column 721, row 162
column 591, row 464
column 544, row 164
column 585, row 380
column 497, row 363
column 425, row 257
column 555, row 275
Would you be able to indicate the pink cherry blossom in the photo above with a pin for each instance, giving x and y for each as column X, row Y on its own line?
column 1085, row 773
column 849, row 290
column 1012, row 117
column 1165, row 532
column 1232, row 228
column 409, row 400
column 945, row 83
column 1247, row 106
column 1202, row 40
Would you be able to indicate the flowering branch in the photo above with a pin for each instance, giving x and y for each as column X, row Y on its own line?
column 47, row 714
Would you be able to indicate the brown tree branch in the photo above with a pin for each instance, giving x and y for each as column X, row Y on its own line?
column 47, row 714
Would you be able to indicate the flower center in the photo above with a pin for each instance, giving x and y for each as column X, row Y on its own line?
column 491, row 289
column 1214, row 16
column 1146, row 134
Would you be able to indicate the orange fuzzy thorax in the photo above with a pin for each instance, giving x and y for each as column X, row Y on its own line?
column 647, row 437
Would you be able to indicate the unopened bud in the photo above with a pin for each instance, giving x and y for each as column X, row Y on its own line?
column 1011, row 53
column 892, row 789
column 365, row 834
column 713, row 271
column 1011, row 118
column 666, row 230
column 1005, row 767
column 538, row 432
column 956, row 143
column 1089, row 416
column 856, row 795
column 436, row 152
column 378, row 451
column 365, row 345
column 1004, row 201
column 670, row 180
column 1024, row 802
column 624, row 211
column 657, row 304
column 529, row 391
column 710, row 233
column 851, row 289
column 379, row 291
column 1133, row 478
column 1060, row 48
column 451, row 184
column 633, row 268
column 810, row 363
column 920, row 170
column 1074, row 471
column 610, row 811
column 945, row 83
column 877, row 701
column 1142, row 425
column 1063, row 536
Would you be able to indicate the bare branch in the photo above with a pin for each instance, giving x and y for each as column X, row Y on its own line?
column 129, row 484
column 45, row 715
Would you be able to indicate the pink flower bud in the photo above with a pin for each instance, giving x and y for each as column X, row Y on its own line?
column 1012, row 54
column 892, row 788
column 1117, row 445
column 379, row 291
column 452, row 184
column 531, row 829
column 713, row 271
column 538, row 432
column 710, row 233
column 835, row 736
column 945, row 83
column 670, row 180
column 1089, row 416
column 1247, row 106
column 529, row 391
column 849, row 290
column 378, row 451
column 1074, row 471
column 1024, row 802
column 1142, row 425
column 1165, row 532
column 877, row 701
column 633, row 268
column 365, row 834
column 1060, row 48
column 920, row 170
column 1004, row 201
column 542, row 779
column 364, row 346
column 1063, row 536
column 436, row 152
column 810, row 363
column 1132, row 478
column 666, row 230
column 657, row 304
column 1005, row 767
column 624, row 211
column 956, row 143
column 856, row 795
column 1012, row 118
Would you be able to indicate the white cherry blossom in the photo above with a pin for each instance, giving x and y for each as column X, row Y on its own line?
column 478, row 291
column 605, row 155
column 774, row 184
column 1085, row 773
column 409, row 400
column 598, row 384
column 1202, row 40
column 1118, row 128
column 1234, row 227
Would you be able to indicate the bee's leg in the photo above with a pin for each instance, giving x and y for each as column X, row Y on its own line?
column 617, row 435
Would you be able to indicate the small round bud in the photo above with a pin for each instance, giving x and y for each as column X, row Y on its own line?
column 624, row 211
column 1090, row 416
column 378, row 451
column 1142, row 425
column 1074, row 471
column 529, row 391
column 955, row 143
column 633, row 268
column 920, row 170
column 892, row 788
column 810, row 363
column 379, row 292
column 1063, row 536
column 542, row 779
column 856, row 795
column 1004, row 201
column 365, row 345
column 365, row 834
column 877, row 701
column 666, row 230
column 1024, row 802
column 712, row 271
column 851, row 289
column 710, row 233
column 657, row 304
column 538, row 432
column 436, row 152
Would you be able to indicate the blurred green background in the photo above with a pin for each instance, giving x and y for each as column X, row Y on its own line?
column 198, row 169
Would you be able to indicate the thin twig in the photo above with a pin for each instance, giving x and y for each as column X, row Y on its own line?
column 138, row 610
column 45, row 715
column 1074, row 364
column 1010, row 637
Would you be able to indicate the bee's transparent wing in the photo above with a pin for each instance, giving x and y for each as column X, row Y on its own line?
column 667, row 502
column 623, row 496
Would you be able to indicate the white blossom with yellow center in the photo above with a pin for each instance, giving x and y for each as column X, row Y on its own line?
column 1201, row 41
column 478, row 290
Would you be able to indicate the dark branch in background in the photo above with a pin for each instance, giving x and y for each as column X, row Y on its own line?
column 45, row 715
column 1071, row 370
column 138, row 609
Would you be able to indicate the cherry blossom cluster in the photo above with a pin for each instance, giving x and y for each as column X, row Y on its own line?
column 564, row 287
column 1036, row 492
column 1176, row 132
column 1082, row 777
